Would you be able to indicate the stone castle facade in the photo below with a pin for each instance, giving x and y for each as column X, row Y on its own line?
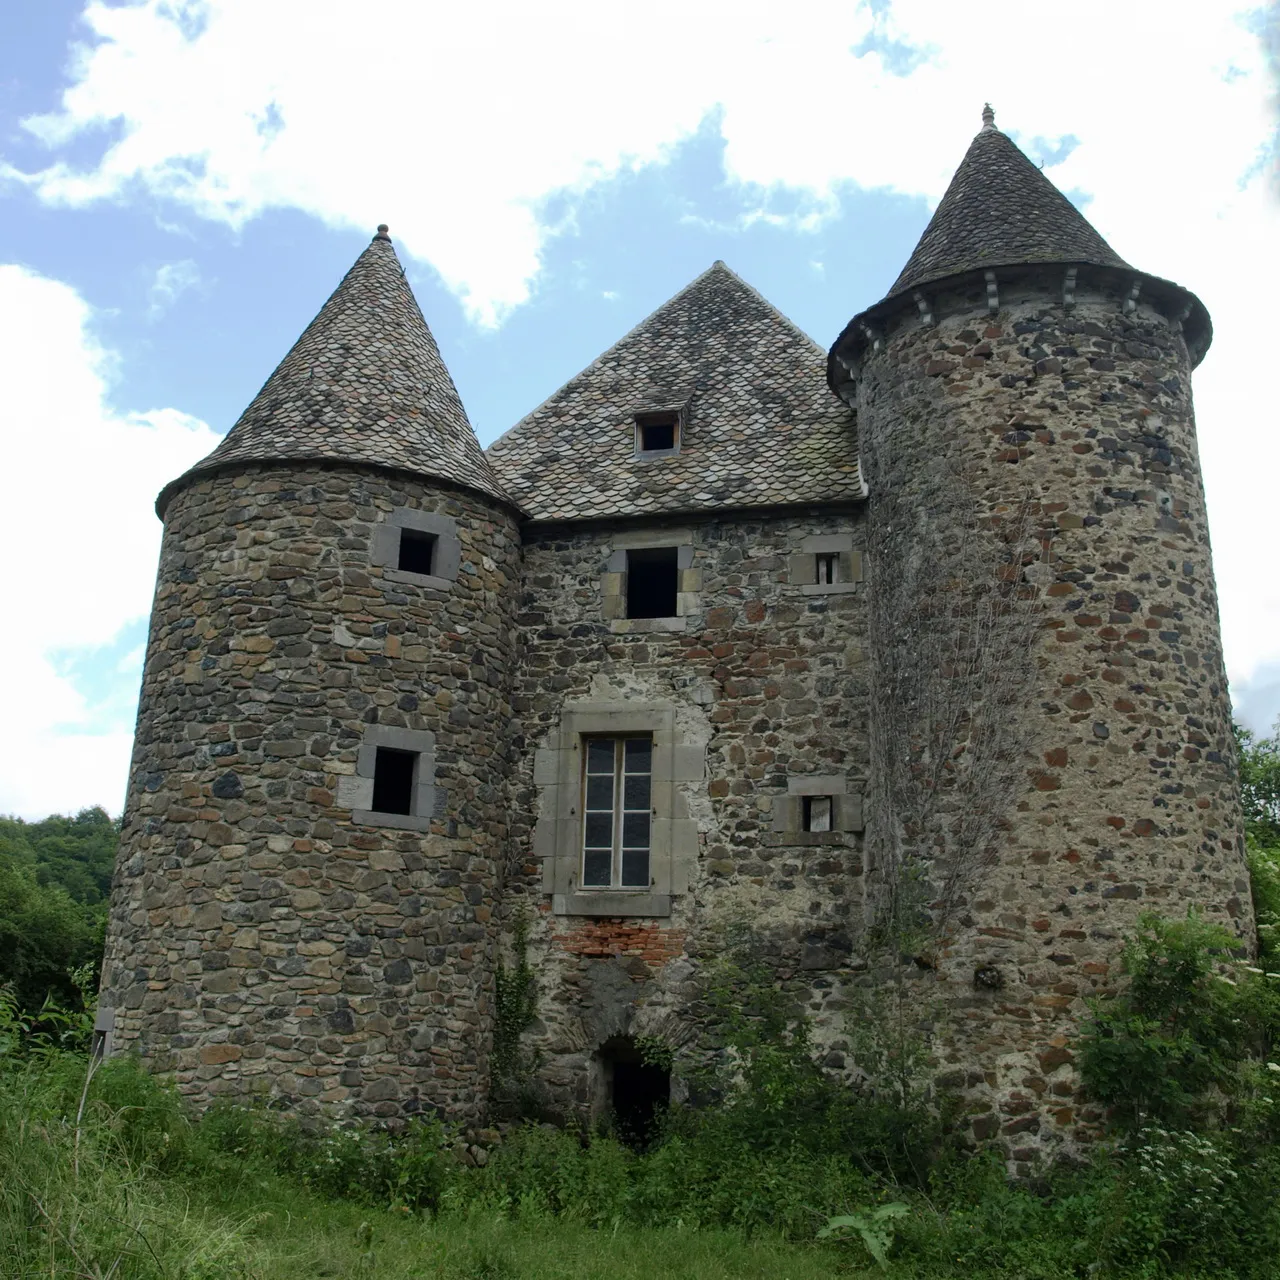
column 727, row 630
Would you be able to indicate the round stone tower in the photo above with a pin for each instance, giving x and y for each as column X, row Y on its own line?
column 304, row 899
column 1052, row 751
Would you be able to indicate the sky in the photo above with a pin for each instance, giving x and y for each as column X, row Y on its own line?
column 183, row 183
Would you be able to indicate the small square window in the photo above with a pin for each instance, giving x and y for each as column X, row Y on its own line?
column 393, row 781
column 652, row 582
column 417, row 552
column 827, row 567
column 817, row 813
column 657, row 433
column 617, row 798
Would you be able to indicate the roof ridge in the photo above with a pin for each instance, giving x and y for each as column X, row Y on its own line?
column 718, row 265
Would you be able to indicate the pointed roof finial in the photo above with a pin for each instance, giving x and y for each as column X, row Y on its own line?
column 382, row 232
column 988, row 117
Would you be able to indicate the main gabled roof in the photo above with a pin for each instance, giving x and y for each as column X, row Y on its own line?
column 364, row 383
column 1000, row 210
column 760, row 427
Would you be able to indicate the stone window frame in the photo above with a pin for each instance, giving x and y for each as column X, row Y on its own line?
column 613, row 583
column 385, row 551
column 802, row 566
column 557, row 836
column 355, row 792
column 788, row 810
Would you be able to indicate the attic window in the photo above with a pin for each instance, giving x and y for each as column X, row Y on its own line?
column 657, row 434
column 827, row 568
column 417, row 551
column 652, row 574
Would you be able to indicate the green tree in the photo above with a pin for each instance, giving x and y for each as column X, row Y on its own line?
column 76, row 853
column 1260, row 790
column 55, row 880
column 44, row 934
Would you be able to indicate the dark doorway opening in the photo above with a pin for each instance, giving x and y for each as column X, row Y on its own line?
column 651, row 582
column 638, row 1092
column 417, row 551
column 393, row 781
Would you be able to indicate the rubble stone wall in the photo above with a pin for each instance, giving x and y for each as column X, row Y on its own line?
column 261, row 940
column 767, row 675
column 1128, row 800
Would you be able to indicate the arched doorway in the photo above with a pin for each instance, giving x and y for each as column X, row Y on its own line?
column 636, row 1093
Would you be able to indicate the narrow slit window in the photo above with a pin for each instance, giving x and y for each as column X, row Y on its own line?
column 652, row 575
column 417, row 551
column 617, row 813
column 828, row 567
column 817, row 813
column 393, row 782
column 657, row 433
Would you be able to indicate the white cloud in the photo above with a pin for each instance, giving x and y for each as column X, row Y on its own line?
column 172, row 280
column 455, row 123
column 81, row 541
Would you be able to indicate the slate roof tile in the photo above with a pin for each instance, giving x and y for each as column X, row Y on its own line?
column 761, row 428
column 364, row 383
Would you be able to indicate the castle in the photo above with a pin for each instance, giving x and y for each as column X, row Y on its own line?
column 916, row 641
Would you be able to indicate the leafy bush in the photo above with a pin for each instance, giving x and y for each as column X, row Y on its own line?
column 1180, row 1043
column 410, row 1167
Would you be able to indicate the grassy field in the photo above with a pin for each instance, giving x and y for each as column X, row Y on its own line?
column 137, row 1192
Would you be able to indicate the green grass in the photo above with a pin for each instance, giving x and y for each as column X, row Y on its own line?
column 140, row 1191
column 291, row 1235
column 144, row 1195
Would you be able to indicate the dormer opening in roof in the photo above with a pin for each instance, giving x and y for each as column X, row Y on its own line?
column 659, row 432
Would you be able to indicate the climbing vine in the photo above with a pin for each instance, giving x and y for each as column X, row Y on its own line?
column 516, row 1006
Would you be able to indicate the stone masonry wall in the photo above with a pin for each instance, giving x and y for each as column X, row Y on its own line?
column 260, row 940
column 770, row 679
column 1128, row 800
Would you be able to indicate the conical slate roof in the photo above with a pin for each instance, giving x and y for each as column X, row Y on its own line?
column 758, row 427
column 364, row 383
column 1000, row 210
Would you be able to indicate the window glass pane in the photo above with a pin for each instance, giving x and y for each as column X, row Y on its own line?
column 635, row 868
column 636, row 791
column 639, row 755
column 599, row 831
column 600, row 791
column 595, row 867
column 635, row 830
column 600, row 755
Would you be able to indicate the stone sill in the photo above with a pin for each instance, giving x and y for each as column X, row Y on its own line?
column 616, row 903
column 639, row 626
column 400, row 821
column 806, row 839
column 829, row 588
column 417, row 579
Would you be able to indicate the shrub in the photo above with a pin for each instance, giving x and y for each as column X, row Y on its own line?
column 1177, row 1045
column 409, row 1167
